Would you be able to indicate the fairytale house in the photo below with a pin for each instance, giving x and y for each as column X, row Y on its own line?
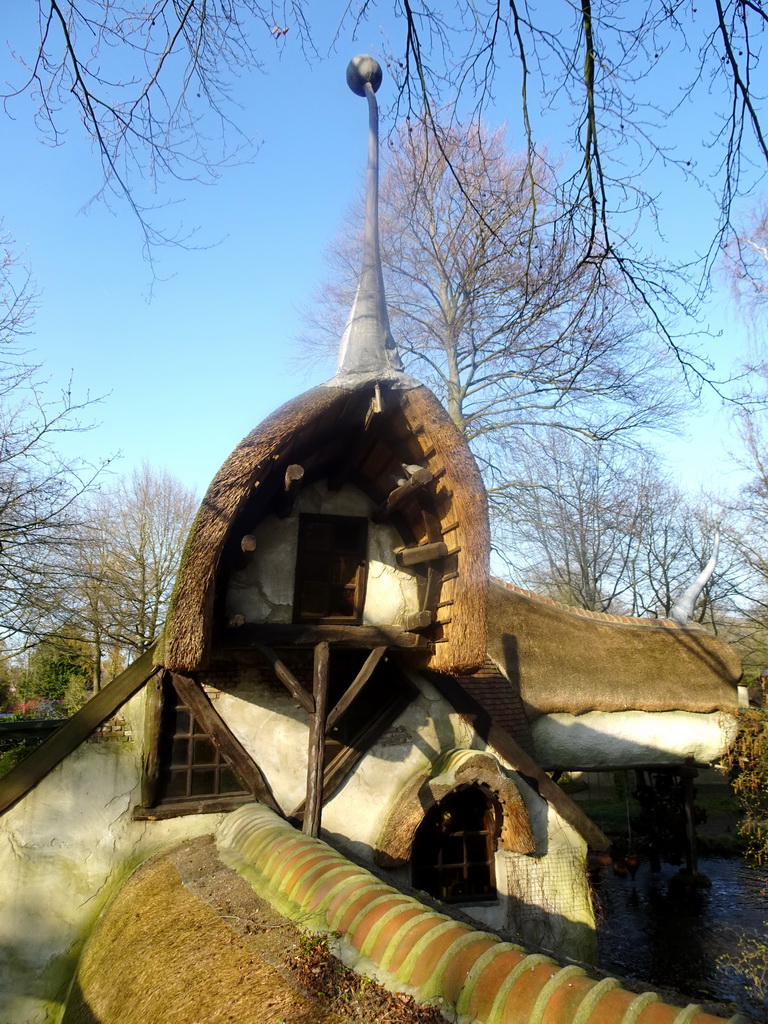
column 335, row 653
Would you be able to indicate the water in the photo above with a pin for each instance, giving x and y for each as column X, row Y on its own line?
column 674, row 936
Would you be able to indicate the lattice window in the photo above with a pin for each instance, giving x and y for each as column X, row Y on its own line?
column 453, row 849
column 191, row 767
column 330, row 569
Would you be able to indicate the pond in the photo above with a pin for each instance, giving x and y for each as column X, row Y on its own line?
column 675, row 936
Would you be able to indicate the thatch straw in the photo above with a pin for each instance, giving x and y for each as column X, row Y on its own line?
column 187, row 636
column 565, row 662
column 187, row 640
column 465, row 650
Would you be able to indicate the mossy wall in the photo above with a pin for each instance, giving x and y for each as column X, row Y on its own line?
column 65, row 849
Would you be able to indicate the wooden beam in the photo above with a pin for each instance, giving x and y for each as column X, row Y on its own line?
column 199, row 703
column 342, row 765
column 401, row 494
column 362, row 677
column 153, row 716
column 431, row 590
column 513, row 753
column 375, row 408
column 269, row 635
column 291, row 487
column 101, row 706
column 208, row 805
column 288, row 679
column 422, row 553
column 315, row 758
column 418, row 620
column 347, row 466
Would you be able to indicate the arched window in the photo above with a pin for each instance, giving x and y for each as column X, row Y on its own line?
column 454, row 846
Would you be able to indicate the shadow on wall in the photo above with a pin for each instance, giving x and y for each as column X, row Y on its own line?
column 524, row 898
column 21, row 986
column 613, row 720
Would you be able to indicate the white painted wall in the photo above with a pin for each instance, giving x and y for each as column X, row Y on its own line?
column 65, row 848
column 601, row 738
column 542, row 897
column 263, row 590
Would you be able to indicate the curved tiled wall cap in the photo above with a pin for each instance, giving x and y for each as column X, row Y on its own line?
column 474, row 976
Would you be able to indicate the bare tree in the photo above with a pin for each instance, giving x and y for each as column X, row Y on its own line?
column 151, row 83
column 126, row 561
column 746, row 263
column 499, row 314
column 575, row 523
column 38, row 487
column 599, row 526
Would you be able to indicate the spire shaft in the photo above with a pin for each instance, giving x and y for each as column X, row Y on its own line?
column 367, row 345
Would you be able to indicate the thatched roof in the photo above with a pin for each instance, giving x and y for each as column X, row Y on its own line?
column 318, row 430
column 571, row 661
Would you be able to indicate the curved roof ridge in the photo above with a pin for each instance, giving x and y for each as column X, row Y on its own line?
column 586, row 613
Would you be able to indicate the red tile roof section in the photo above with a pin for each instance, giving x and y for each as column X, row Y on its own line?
column 466, row 972
column 496, row 695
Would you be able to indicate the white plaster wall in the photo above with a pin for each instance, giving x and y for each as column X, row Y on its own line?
column 64, row 850
column 274, row 731
column 549, row 901
column 543, row 898
column 426, row 728
column 263, row 590
column 618, row 738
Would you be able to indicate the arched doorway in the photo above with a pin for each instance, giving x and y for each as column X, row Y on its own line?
column 453, row 849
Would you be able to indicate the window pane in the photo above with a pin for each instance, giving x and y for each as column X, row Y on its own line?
column 453, row 850
column 182, row 721
column 177, row 784
column 313, row 599
column 341, row 601
column 229, row 783
column 479, row 878
column 453, row 842
column 318, row 536
column 180, row 751
column 205, row 752
column 344, row 570
column 477, row 848
column 203, row 781
column 330, row 567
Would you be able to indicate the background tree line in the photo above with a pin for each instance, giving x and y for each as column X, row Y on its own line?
column 551, row 369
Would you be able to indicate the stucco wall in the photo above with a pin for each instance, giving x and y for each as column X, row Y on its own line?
column 542, row 897
column 631, row 738
column 263, row 590
column 64, row 850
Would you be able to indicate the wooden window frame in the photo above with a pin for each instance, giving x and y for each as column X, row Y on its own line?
column 228, row 752
column 489, row 832
column 359, row 523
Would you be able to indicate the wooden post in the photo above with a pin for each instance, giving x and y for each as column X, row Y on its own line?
column 294, row 475
column 418, row 479
column 314, row 804
column 688, row 774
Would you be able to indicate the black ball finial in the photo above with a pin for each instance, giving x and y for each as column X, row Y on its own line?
column 362, row 69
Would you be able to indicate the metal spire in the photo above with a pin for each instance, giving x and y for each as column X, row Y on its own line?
column 367, row 346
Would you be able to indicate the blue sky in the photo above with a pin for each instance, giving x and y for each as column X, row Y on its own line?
column 186, row 375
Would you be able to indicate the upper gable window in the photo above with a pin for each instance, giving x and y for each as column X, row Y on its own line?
column 330, row 569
